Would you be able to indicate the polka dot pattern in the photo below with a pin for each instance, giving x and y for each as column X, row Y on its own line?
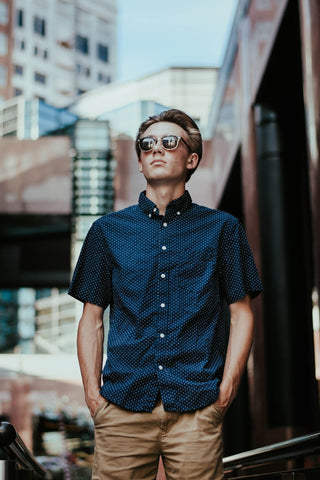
column 167, row 280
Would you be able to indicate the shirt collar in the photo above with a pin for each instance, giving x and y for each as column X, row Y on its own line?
column 175, row 207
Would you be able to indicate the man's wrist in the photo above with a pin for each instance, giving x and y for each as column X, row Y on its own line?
column 92, row 394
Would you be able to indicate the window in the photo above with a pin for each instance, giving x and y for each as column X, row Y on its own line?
column 18, row 92
column 20, row 44
column 3, row 13
column 39, row 26
column 3, row 44
column 3, row 75
column 103, row 78
column 18, row 69
column 19, row 17
column 83, row 70
column 40, row 78
column 39, row 52
column 103, row 52
column 82, row 44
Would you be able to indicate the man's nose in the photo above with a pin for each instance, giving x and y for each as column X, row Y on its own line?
column 158, row 145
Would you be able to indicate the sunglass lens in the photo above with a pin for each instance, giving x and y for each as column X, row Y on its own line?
column 170, row 142
column 147, row 143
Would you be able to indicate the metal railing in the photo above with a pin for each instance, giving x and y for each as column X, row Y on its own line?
column 19, row 461
column 244, row 464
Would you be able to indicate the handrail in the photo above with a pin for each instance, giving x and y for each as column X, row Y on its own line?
column 13, row 445
column 294, row 448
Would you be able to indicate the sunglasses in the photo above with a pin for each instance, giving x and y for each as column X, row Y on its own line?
column 169, row 142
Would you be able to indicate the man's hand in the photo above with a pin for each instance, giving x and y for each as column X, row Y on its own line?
column 228, row 392
column 94, row 402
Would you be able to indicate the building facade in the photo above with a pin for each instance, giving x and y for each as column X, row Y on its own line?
column 190, row 89
column 55, row 49
column 6, row 47
column 265, row 169
column 31, row 119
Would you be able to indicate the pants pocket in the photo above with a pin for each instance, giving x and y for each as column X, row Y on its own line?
column 103, row 404
column 218, row 409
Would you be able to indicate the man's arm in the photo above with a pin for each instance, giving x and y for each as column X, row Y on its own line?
column 90, row 353
column 239, row 345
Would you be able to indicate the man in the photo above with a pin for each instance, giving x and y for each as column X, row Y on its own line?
column 166, row 267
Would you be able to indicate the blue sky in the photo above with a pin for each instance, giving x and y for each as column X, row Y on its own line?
column 154, row 34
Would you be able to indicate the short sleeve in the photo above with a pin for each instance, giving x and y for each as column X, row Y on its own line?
column 238, row 272
column 91, row 281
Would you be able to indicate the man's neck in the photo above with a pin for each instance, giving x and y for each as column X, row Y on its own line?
column 162, row 195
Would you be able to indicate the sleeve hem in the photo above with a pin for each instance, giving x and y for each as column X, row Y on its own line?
column 84, row 299
column 253, row 293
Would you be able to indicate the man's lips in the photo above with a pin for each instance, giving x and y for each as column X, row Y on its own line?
column 158, row 161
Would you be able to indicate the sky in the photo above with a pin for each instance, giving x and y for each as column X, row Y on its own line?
column 155, row 34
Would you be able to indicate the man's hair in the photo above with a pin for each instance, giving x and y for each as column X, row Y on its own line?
column 184, row 121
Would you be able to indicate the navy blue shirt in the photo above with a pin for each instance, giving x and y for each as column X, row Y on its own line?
column 166, row 279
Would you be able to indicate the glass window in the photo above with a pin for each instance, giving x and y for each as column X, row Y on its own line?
column 3, row 13
column 40, row 78
column 103, row 78
column 18, row 69
column 17, row 92
column 82, row 44
column 103, row 52
column 19, row 17
column 3, row 44
column 3, row 75
column 39, row 26
column 20, row 44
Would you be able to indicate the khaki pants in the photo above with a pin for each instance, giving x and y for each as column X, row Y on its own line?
column 128, row 444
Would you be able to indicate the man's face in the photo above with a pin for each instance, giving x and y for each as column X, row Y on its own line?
column 161, row 165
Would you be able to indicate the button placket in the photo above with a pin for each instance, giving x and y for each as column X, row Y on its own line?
column 163, row 309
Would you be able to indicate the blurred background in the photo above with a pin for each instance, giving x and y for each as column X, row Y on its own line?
column 76, row 79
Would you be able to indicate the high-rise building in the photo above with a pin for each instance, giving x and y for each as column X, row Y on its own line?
column 55, row 49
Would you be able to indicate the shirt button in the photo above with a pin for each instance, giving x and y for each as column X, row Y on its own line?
column 154, row 209
column 165, row 224
column 160, row 367
column 150, row 215
column 163, row 275
column 178, row 213
column 164, row 247
column 161, row 335
column 162, row 305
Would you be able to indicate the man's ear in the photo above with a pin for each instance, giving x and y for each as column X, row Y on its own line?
column 140, row 165
column 192, row 161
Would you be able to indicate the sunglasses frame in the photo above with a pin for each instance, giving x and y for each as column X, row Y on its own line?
column 161, row 138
